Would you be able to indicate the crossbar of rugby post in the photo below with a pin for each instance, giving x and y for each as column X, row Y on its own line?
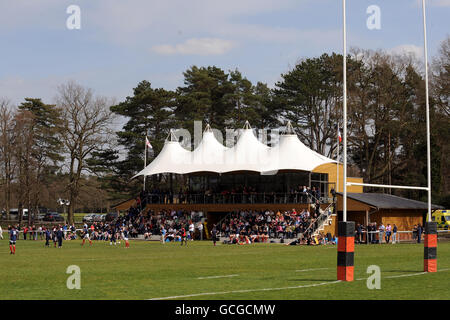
column 386, row 186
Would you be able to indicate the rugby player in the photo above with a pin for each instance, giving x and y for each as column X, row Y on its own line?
column 183, row 236
column 86, row 235
column 125, row 237
column 112, row 234
column 12, row 240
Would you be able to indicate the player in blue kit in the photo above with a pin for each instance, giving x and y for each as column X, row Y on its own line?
column 125, row 237
column 54, row 230
column 60, row 236
column 112, row 234
column 48, row 237
column 12, row 240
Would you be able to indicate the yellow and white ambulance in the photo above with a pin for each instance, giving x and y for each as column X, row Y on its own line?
column 442, row 217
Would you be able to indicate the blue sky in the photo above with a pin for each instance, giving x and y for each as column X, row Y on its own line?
column 123, row 42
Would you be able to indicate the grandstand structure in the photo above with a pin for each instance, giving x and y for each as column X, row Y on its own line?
column 271, row 177
column 247, row 176
column 251, row 163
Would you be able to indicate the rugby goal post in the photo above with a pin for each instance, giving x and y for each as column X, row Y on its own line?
column 346, row 229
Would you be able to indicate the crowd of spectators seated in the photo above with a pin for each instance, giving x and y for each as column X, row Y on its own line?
column 262, row 225
column 148, row 223
column 310, row 240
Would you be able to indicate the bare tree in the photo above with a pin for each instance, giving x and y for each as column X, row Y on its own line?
column 6, row 151
column 86, row 127
column 440, row 88
column 26, row 164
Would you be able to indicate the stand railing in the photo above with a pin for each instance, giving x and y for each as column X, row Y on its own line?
column 235, row 198
column 322, row 219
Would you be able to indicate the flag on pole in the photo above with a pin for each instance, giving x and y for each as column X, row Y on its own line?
column 148, row 143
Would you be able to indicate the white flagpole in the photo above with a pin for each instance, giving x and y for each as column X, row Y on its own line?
column 345, row 111
column 145, row 157
column 427, row 109
column 337, row 158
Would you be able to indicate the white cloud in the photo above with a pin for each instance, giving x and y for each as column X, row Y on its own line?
column 434, row 3
column 407, row 49
column 274, row 34
column 440, row 3
column 152, row 20
column 37, row 15
column 196, row 46
column 437, row 3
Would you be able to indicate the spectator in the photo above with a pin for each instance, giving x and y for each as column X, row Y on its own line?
column 394, row 234
column 388, row 233
column 419, row 232
column 200, row 230
column 414, row 232
column 381, row 230
column 358, row 233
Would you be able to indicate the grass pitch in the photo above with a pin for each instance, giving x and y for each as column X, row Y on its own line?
column 150, row 270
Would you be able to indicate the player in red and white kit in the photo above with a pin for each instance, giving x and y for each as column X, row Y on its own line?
column 125, row 237
column 86, row 235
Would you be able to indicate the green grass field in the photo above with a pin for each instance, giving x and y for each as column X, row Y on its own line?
column 261, row 271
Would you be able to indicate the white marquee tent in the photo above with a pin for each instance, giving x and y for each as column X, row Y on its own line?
column 248, row 154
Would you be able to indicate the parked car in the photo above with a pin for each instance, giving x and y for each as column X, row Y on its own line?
column 111, row 216
column 98, row 218
column 89, row 217
column 53, row 216
column 14, row 214
column 38, row 217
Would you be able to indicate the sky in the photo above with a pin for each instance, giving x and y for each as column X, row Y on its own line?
column 121, row 43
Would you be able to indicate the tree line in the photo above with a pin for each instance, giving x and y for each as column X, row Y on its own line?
column 73, row 140
column 44, row 149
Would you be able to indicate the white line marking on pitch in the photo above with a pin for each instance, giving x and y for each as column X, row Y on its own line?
column 246, row 290
column 311, row 269
column 412, row 274
column 215, row 277
column 272, row 289
column 404, row 275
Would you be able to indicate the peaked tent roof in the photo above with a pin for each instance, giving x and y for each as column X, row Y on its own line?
column 173, row 158
column 209, row 154
column 248, row 154
column 292, row 154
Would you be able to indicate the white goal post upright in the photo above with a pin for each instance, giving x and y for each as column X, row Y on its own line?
column 337, row 158
column 145, row 157
column 346, row 229
column 425, row 52
column 344, row 211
